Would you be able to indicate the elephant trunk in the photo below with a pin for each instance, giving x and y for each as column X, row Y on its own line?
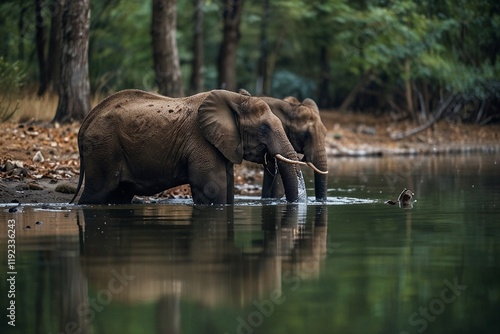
column 320, row 184
column 289, row 175
column 320, row 177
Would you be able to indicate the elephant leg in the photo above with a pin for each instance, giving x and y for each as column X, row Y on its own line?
column 230, row 183
column 94, row 194
column 104, row 186
column 272, row 185
column 209, row 181
column 209, row 192
column 123, row 194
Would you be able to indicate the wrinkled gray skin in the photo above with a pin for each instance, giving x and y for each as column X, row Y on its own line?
column 139, row 143
column 307, row 133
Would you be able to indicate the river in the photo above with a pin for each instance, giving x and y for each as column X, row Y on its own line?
column 350, row 265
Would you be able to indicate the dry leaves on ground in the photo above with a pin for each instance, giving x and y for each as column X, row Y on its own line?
column 38, row 151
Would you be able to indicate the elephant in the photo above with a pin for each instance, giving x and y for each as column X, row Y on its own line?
column 306, row 132
column 140, row 143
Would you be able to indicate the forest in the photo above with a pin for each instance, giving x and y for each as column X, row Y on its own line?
column 417, row 59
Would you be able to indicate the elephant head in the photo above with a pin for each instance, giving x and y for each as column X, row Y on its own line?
column 139, row 143
column 243, row 127
column 306, row 132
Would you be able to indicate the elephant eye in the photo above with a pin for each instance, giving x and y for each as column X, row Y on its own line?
column 265, row 128
column 304, row 135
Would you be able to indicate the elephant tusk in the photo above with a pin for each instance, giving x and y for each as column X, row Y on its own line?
column 314, row 168
column 290, row 161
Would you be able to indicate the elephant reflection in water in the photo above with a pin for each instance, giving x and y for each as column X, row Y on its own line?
column 212, row 262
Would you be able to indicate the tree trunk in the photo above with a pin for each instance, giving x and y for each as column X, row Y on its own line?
column 228, row 48
column 165, row 54
column 324, row 83
column 271, row 59
column 196, row 82
column 74, row 90
column 262, row 75
column 408, row 91
column 41, row 41
column 55, row 46
column 22, row 31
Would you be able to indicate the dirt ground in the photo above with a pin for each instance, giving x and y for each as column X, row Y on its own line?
column 39, row 162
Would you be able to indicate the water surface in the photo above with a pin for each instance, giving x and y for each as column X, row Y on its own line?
column 350, row 265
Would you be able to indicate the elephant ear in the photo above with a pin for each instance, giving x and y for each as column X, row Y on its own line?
column 244, row 92
column 311, row 104
column 292, row 100
column 217, row 122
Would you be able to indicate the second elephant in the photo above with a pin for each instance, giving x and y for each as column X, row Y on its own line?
column 306, row 132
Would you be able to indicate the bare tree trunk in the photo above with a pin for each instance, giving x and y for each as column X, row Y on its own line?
column 165, row 54
column 228, row 48
column 74, row 90
column 41, row 42
column 262, row 75
column 324, row 83
column 408, row 90
column 22, row 30
column 196, row 82
column 55, row 46
column 271, row 59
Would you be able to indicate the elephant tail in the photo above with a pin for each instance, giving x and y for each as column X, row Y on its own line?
column 80, row 179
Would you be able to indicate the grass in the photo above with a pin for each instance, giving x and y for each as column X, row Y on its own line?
column 35, row 108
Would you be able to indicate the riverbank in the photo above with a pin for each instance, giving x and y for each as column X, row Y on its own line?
column 39, row 162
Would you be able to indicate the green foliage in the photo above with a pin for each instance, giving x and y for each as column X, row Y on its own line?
column 288, row 83
column 120, row 53
column 441, row 47
column 450, row 48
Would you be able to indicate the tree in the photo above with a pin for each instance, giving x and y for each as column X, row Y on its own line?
column 402, row 57
column 74, row 90
column 230, row 38
column 55, row 46
column 263, row 85
column 196, row 81
column 165, row 54
column 48, row 50
column 41, row 42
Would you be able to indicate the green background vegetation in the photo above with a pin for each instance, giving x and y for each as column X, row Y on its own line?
column 361, row 55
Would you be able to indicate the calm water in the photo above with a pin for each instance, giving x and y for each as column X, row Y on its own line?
column 352, row 265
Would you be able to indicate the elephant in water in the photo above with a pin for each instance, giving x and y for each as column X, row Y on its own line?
column 306, row 132
column 140, row 143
